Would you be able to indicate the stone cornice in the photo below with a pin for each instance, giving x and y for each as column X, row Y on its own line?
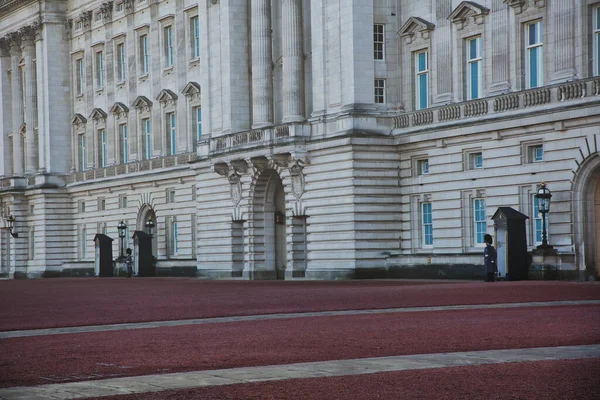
column 7, row 6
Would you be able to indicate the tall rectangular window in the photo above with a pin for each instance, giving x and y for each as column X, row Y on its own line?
column 198, row 122
column 168, row 43
column 479, row 222
column 534, row 61
column 102, row 148
column 427, row 224
column 144, row 57
column 31, row 244
column 171, row 134
column 82, row 150
column 473, row 68
column 99, row 69
column 538, row 223
column 121, row 65
column 124, row 143
column 147, row 138
column 379, row 41
column 195, row 37
column 596, row 41
column 423, row 167
column 173, row 239
column 82, row 242
column 80, row 75
column 421, row 84
column 379, row 91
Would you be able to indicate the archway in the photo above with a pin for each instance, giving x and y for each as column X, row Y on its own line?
column 586, row 208
column 145, row 214
column 268, row 213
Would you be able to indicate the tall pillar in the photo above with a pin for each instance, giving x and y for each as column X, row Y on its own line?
column 564, row 31
column 5, row 109
column 39, row 80
column 293, row 62
column 30, row 102
column 262, row 68
column 17, row 104
column 500, row 81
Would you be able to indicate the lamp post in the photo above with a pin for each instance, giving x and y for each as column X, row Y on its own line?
column 11, row 226
column 149, row 225
column 543, row 196
column 121, row 228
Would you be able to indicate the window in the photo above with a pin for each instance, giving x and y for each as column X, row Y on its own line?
column 170, row 196
column 423, row 167
column 102, row 148
column 99, row 69
column 168, row 44
column 197, row 111
column 82, row 150
column 124, row 143
column 535, row 153
column 80, row 71
column 427, row 223
column 79, row 25
column 173, row 240
column 101, row 204
column 473, row 68
column 31, row 244
column 421, row 85
column 533, row 58
column 475, row 160
column 81, row 206
column 195, row 37
column 147, row 138
column 538, row 223
column 171, row 134
column 479, row 222
column 82, row 241
column 144, row 57
column 99, row 16
column 121, row 66
column 122, row 201
column 380, row 91
column 379, row 41
column 120, row 6
column 596, row 41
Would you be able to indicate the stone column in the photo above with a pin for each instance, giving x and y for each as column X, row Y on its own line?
column 500, row 51
column 563, row 49
column 5, row 109
column 30, row 102
column 39, row 65
column 293, row 62
column 17, row 104
column 262, row 65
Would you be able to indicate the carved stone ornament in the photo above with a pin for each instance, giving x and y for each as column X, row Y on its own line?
column 297, row 178
column 235, row 187
column 106, row 9
column 86, row 19
column 214, row 2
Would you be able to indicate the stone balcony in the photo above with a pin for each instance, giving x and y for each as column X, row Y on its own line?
column 132, row 167
column 273, row 136
column 526, row 100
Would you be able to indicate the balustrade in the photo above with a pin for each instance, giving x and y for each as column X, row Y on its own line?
column 449, row 113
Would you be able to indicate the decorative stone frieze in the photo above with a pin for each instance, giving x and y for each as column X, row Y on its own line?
column 414, row 25
column 192, row 91
column 98, row 115
column 78, row 121
column 119, row 109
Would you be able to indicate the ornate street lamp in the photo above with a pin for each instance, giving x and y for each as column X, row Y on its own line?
column 543, row 196
column 149, row 225
column 11, row 226
column 121, row 228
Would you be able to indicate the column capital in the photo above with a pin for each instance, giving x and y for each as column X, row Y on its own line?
column 106, row 9
column 27, row 34
column 14, row 39
column 4, row 47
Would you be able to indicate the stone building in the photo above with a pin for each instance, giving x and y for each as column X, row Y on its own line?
column 297, row 139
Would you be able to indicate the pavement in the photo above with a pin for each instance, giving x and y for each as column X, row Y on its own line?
column 189, row 339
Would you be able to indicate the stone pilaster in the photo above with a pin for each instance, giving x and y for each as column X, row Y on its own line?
column 262, row 64
column 30, row 102
column 41, row 87
column 17, row 104
column 5, row 108
column 564, row 52
column 443, row 52
column 500, row 81
column 293, row 62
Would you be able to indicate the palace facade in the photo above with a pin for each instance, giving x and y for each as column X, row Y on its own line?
column 298, row 139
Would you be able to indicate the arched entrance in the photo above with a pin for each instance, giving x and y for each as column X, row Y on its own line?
column 145, row 243
column 269, row 233
column 145, row 214
column 586, row 207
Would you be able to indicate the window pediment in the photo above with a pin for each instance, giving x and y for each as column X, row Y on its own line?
column 468, row 9
column 166, row 97
column 98, row 114
column 191, row 90
column 142, row 103
column 119, row 109
column 414, row 25
column 78, row 120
